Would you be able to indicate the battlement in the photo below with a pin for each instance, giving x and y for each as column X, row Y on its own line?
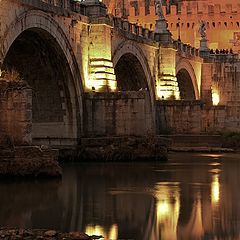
column 188, row 8
column 204, row 8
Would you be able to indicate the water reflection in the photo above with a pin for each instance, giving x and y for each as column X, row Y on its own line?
column 215, row 189
column 189, row 197
column 167, row 211
column 194, row 229
column 97, row 230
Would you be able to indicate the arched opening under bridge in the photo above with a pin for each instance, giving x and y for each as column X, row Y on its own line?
column 38, row 58
column 185, row 85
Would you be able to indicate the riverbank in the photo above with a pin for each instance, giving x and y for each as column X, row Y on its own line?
column 200, row 143
column 39, row 234
column 117, row 149
column 38, row 161
column 32, row 161
column 201, row 149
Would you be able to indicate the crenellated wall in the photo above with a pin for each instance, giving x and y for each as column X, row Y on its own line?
column 222, row 19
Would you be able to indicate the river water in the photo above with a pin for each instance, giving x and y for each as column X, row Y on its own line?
column 192, row 196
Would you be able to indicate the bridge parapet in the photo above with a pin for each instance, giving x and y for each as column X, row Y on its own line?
column 59, row 6
column 230, row 57
column 132, row 28
column 185, row 49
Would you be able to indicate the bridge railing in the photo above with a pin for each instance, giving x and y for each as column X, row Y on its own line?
column 133, row 28
column 53, row 5
column 186, row 48
column 225, row 57
column 78, row 7
column 58, row 3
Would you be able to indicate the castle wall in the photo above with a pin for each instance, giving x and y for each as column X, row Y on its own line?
column 223, row 25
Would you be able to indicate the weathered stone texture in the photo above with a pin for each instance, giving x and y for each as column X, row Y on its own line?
column 29, row 161
column 195, row 117
column 126, row 113
column 68, row 59
column 16, row 113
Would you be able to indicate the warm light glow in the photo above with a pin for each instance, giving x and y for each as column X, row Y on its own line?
column 194, row 228
column 163, row 94
column 94, row 230
column 215, row 98
column 112, row 84
column 100, row 231
column 96, row 84
column 101, row 76
column 163, row 208
column 215, row 191
column 222, row 33
column 167, row 84
column 167, row 207
column 113, row 233
column 101, row 62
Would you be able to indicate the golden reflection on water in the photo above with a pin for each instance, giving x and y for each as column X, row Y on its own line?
column 194, row 228
column 97, row 230
column 215, row 189
column 167, row 211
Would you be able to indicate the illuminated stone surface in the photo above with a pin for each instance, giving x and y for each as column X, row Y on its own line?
column 68, row 52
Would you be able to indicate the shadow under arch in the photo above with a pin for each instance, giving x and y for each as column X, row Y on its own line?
column 185, row 85
column 185, row 70
column 129, row 73
column 43, row 56
column 132, row 59
column 133, row 74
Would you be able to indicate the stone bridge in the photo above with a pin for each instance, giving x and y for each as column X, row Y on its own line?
column 92, row 74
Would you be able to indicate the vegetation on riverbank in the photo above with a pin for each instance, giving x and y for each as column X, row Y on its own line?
column 123, row 149
column 29, row 161
column 231, row 140
column 32, row 234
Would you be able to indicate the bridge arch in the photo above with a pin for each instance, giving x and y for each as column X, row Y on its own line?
column 37, row 41
column 131, row 59
column 187, row 81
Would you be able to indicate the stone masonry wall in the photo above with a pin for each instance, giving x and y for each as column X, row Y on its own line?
column 126, row 113
column 16, row 113
column 194, row 117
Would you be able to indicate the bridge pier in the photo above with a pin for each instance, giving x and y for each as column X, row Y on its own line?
column 119, row 114
column 167, row 85
column 101, row 72
column 16, row 113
